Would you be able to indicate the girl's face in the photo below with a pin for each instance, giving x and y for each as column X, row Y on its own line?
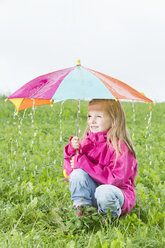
column 98, row 119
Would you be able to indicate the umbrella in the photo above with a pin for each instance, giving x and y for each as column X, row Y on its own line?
column 76, row 82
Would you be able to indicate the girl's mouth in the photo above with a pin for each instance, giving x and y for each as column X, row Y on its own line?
column 94, row 127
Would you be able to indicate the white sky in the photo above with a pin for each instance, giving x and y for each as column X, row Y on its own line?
column 121, row 38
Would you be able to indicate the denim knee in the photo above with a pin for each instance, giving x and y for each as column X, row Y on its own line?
column 109, row 197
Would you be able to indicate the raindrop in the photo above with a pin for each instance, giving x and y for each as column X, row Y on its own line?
column 148, row 127
column 147, row 134
column 134, row 119
column 60, row 115
column 32, row 121
column 32, row 143
column 35, row 134
column 24, row 113
column 15, row 114
column 33, row 105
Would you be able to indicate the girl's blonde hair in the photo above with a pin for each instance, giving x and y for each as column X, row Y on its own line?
column 118, row 131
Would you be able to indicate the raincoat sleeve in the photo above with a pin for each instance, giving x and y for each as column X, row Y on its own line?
column 69, row 151
column 116, row 174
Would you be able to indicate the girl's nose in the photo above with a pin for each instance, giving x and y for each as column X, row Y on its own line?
column 93, row 120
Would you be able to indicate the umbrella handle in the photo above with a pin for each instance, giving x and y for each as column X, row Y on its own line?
column 77, row 131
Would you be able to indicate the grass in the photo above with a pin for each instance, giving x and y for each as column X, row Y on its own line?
column 35, row 205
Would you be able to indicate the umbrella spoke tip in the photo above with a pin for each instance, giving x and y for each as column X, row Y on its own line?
column 78, row 62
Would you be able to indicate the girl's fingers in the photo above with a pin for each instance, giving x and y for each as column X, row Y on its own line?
column 75, row 144
column 75, row 139
column 72, row 162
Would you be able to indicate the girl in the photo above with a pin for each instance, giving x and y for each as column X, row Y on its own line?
column 102, row 173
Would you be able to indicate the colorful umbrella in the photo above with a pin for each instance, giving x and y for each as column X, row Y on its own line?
column 76, row 82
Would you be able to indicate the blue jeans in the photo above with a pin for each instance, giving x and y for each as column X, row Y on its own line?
column 85, row 191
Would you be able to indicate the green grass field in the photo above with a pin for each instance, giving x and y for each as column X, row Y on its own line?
column 35, row 205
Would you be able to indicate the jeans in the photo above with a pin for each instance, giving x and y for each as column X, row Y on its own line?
column 85, row 191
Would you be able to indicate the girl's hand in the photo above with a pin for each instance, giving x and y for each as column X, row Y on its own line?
column 75, row 142
column 72, row 162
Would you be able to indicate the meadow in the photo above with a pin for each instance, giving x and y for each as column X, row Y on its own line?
column 35, row 205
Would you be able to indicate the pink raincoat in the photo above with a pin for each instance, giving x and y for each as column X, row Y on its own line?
column 98, row 160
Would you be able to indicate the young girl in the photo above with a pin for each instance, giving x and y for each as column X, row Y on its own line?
column 102, row 172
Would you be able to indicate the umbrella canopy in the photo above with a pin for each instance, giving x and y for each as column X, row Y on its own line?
column 76, row 82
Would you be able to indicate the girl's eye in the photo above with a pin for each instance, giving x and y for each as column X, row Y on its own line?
column 99, row 116
column 89, row 116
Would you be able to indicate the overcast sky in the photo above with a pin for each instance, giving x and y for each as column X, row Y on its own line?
column 122, row 38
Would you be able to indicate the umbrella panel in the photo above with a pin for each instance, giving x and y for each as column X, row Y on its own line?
column 81, row 84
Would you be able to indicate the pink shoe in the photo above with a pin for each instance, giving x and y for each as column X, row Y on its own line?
column 79, row 210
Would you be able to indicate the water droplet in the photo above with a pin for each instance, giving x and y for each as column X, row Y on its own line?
column 60, row 115
column 32, row 143
column 148, row 129
column 134, row 119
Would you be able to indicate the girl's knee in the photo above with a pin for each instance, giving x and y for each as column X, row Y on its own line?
column 106, row 194
column 108, row 197
column 78, row 175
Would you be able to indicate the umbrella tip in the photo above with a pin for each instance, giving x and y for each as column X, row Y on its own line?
column 78, row 62
column 51, row 102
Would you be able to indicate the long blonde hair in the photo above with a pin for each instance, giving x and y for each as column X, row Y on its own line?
column 118, row 131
